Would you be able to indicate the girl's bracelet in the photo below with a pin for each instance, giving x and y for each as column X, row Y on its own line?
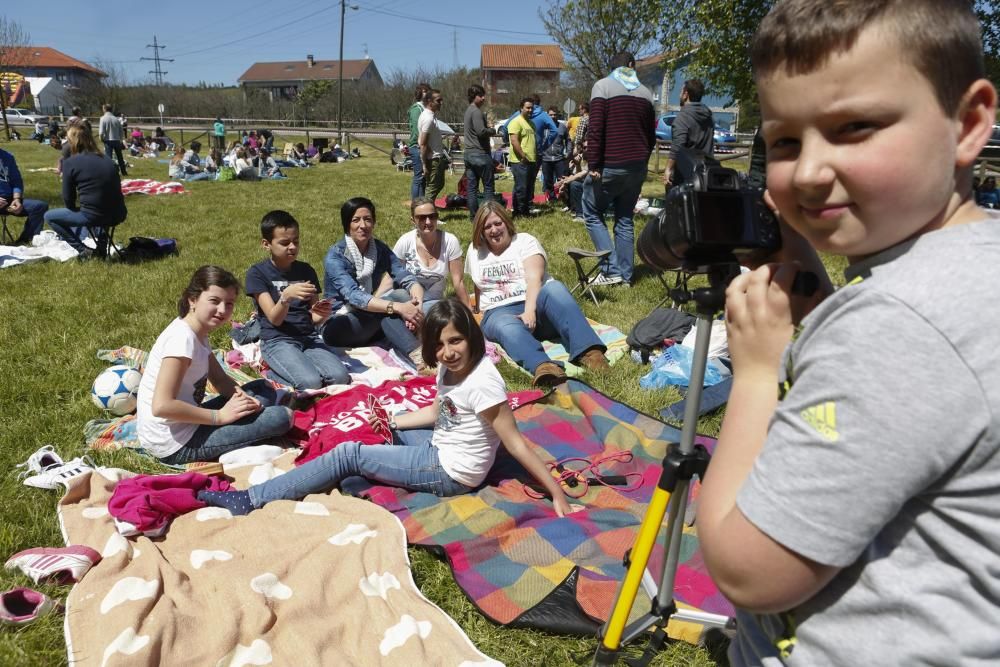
column 215, row 417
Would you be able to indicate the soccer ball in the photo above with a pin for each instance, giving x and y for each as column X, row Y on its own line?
column 115, row 389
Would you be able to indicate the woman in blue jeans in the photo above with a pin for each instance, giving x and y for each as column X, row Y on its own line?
column 372, row 294
column 470, row 418
column 522, row 304
column 173, row 421
column 92, row 178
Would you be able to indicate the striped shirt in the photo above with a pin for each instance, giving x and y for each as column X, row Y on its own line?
column 622, row 126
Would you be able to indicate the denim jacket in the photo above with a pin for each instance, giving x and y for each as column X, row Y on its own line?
column 340, row 282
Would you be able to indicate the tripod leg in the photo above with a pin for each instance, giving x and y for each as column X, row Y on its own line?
column 648, row 531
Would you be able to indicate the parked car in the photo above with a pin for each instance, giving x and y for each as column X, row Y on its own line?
column 23, row 117
column 995, row 137
column 665, row 125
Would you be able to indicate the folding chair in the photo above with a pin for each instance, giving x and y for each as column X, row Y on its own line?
column 584, row 277
column 104, row 237
column 6, row 235
column 287, row 150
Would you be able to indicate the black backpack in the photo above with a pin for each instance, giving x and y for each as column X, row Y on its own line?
column 649, row 332
column 141, row 248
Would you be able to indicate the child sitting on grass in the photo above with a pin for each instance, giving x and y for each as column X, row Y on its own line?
column 173, row 421
column 286, row 294
column 851, row 515
column 470, row 418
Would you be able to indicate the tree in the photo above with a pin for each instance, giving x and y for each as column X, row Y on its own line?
column 13, row 39
column 590, row 32
column 311, row 94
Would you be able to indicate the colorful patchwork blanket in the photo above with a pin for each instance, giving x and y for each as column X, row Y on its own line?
column 523, row 566
column 323, row 581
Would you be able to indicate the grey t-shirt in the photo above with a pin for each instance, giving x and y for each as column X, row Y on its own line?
column 883, row 458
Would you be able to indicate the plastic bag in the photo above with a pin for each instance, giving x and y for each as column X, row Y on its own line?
column 674, row 367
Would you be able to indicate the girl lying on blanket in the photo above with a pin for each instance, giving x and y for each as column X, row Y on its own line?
column 470, row 419
column 172, row 421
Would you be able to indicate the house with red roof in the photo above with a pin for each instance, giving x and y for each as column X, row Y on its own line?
column 46, row 74
column 284, row 80
column 511, row 69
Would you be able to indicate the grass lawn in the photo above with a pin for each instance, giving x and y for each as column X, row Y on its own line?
column 57, row 315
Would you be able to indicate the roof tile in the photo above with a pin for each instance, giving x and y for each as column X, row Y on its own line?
column 521, row 56
column 44, row 56
column 299, row 70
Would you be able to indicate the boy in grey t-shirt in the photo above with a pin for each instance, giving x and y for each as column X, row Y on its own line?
column 854, row 518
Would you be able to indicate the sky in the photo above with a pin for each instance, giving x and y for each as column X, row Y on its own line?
column 217, row 41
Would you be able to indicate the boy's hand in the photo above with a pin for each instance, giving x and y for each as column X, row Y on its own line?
column 759, row 320
column 303, row 291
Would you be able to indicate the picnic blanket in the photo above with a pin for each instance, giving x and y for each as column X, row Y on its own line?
column 146, row 186
column 508, row 199
column 323, row 581
column 519, row 563
column 45, row 246
column 610, row 336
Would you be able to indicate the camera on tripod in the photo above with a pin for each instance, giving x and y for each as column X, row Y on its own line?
column 716, row 217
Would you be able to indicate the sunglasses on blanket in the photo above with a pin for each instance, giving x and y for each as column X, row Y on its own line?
column 380, row 423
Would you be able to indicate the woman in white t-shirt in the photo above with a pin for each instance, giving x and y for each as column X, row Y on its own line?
column 431, row 254
column 173, row 421
column 470, row 417
column 522, row 304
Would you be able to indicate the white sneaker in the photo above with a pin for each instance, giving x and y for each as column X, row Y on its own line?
column 45, row 457
column 65, row 564
column 54, row 475
column 605, row 280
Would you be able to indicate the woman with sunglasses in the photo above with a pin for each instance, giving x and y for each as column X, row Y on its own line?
column 431, row 254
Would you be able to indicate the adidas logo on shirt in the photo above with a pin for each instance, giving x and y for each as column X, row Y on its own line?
column 823, row 419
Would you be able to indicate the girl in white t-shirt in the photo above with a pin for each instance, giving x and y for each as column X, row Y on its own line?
column 470, row 418
column 431, row 254
column 173, row 421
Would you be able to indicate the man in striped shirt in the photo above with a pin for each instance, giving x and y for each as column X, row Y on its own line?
column 620, row 137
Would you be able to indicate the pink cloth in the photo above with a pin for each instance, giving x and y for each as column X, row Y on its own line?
column 147, row 503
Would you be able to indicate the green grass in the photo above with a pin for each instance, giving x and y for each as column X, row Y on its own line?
column 56, row 315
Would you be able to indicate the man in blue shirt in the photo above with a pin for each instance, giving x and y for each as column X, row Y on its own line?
column 12, row 200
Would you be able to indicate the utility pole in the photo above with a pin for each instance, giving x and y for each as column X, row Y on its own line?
column 454, row 48
column 340, row 77
column 156, row 60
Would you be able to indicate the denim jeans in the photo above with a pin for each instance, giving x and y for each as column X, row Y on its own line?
column 34, row 210
column 359, row 327
column 478, row 167
column 552, row 171
column 63, row 220
column 557, row 317
column 304, row 363
column 434, row 177
column 199, row 176
column 411, row 462
column 210, row 442
column 620, row 189
column 115, row 146
column 523, row 186
column 576, row 198
column 417, row 184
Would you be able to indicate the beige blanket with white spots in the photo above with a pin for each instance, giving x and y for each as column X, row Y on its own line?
column 325, row 581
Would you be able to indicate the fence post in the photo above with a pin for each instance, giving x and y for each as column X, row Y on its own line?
column 182, row 137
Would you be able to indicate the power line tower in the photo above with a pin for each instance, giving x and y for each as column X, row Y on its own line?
column 157, row 60
column 454, row 48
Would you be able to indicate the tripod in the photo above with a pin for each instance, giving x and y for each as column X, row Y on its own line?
column 680, row 465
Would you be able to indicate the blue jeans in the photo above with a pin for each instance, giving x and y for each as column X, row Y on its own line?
column 478, row 167
column 620, row 189
column 63, row 220
column 359, row 327
column 210, row 442
column 34, row 210
column 411, row 462
column 116, row 147
column 417, row 184
column 524, row 185
column 552, row 171
column 304, row 363
column 558, row 317
column 199, row 176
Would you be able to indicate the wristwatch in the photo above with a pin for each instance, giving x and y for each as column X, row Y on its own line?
column 390, row 308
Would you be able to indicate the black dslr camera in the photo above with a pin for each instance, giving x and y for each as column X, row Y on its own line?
column 714, row 218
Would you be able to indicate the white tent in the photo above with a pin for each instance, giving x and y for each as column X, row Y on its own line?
column 48, row 92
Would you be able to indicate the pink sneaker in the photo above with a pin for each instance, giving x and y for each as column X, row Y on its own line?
column 19, row 606
column 64, row 564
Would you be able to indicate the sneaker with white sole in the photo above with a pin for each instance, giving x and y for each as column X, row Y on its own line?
column 43, row 458
column 54, row 475
column 64, row 564
column 19, row 606
column 605, row 280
